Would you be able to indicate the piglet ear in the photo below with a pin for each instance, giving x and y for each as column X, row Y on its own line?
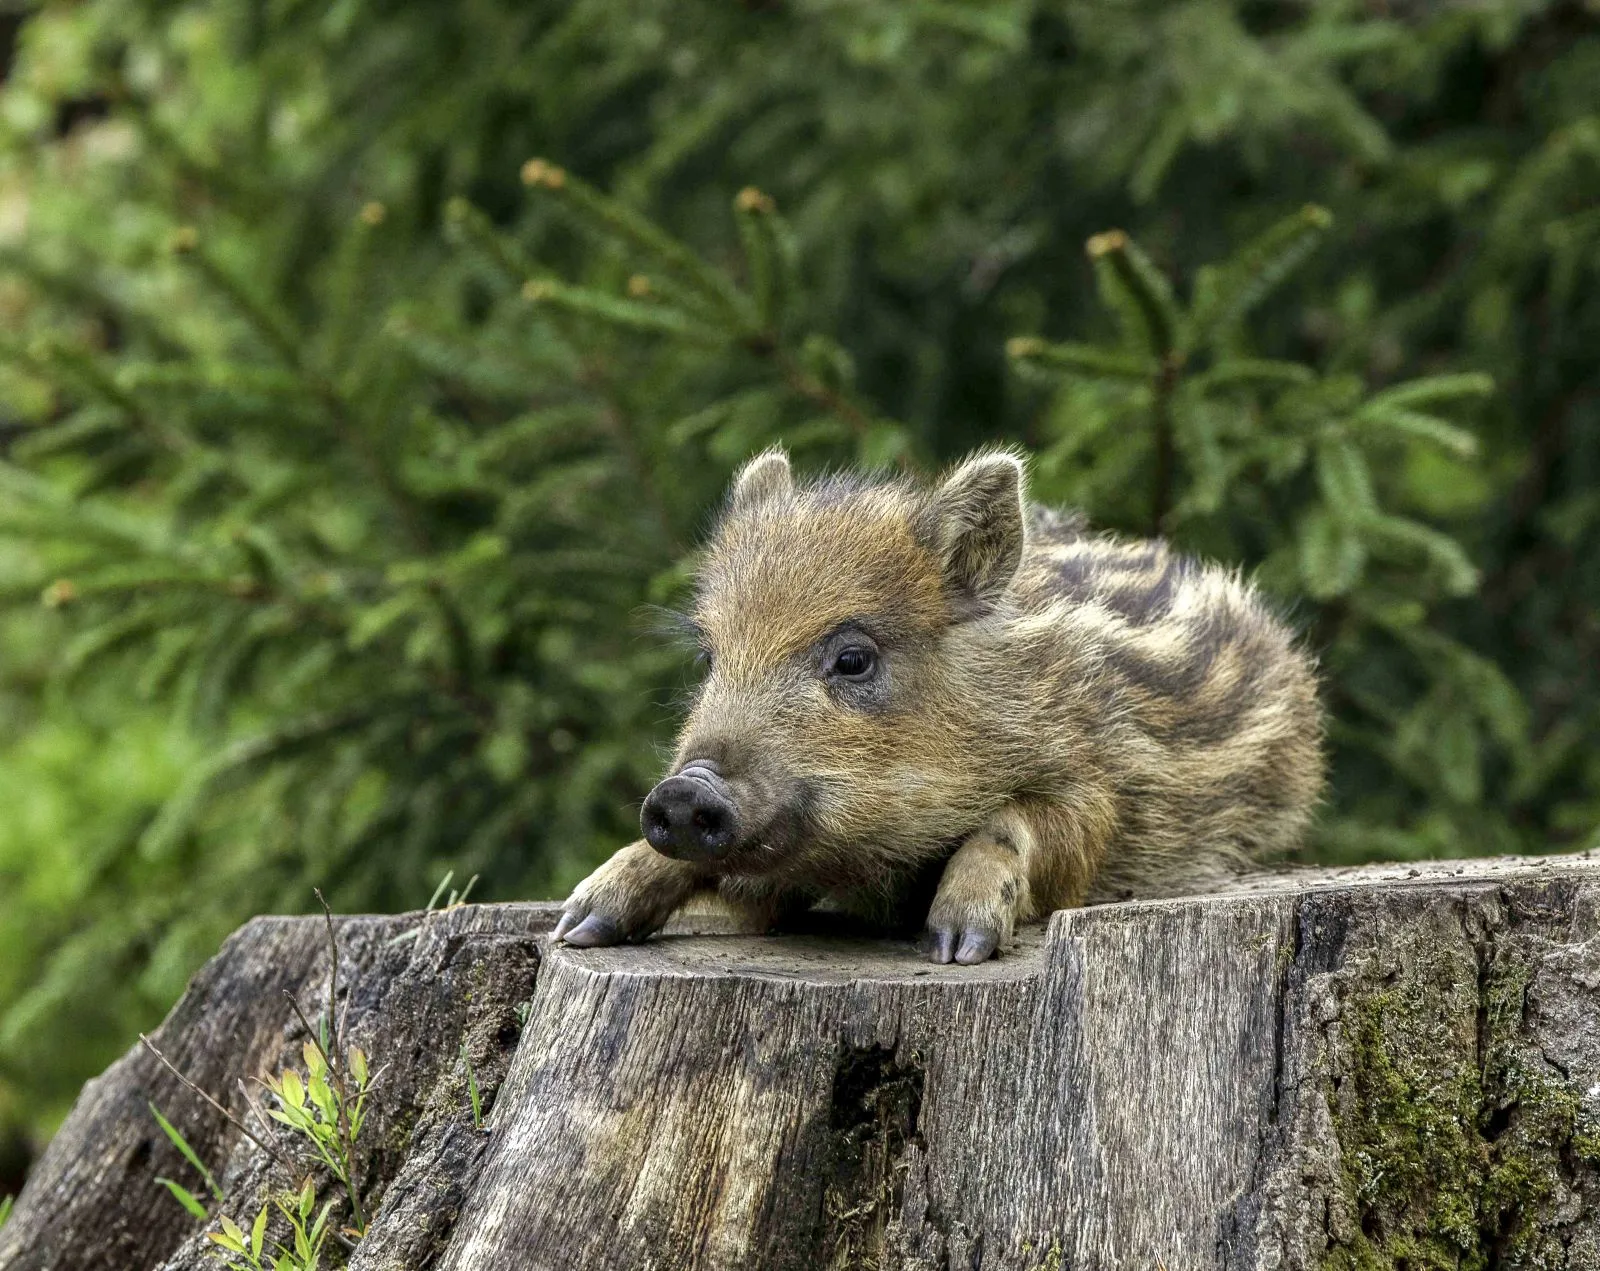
column 977, row 528
column 763, row 478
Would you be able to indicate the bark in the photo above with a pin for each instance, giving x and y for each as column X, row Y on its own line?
column 1360, row 1068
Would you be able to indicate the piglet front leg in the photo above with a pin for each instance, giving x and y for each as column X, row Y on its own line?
column 982, row 893
column 626, row 899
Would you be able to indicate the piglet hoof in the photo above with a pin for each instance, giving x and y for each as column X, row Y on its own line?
column 938, row 944
column 968, row 946
column 977, row 946
column 594, row 930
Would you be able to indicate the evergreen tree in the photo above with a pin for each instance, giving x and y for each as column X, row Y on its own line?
column 368, row 370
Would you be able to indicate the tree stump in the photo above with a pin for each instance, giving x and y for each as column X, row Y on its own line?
column 1379, row 1067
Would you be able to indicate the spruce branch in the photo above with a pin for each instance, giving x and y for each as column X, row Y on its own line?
column 769, row 253
column 638, row 315
column 1138, row 292
column 592, row 209
column 227, row 182
column 83, row 292
column 619, row 426
column 79, row 365
column 1041, row 357
column 286, row 343
column 1225, row 294
column 469, row 226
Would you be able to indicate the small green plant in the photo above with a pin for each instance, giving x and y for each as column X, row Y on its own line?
column 457, row 898
column 308, row 1234
column 5, row 1209
column 184, row 1196
column 472, row 1090
column 326, row 1108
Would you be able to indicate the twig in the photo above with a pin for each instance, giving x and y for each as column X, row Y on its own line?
column 344, row 1017
column 341, row 1091
column 226, row 1115
column 334, row 1023
column 255, row 1108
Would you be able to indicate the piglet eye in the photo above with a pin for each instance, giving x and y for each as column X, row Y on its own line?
column 854, row 663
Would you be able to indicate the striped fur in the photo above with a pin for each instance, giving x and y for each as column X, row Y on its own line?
column 1056, row 716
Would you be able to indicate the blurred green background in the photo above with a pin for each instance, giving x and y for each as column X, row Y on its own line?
column 341, row 449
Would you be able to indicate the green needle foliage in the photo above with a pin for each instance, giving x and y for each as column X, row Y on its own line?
column 367, row 373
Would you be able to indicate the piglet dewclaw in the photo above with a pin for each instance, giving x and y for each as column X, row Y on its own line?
column 949, row 707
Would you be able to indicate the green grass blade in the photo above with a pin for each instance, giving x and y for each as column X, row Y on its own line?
column 182, row 1144
column 186, row 1198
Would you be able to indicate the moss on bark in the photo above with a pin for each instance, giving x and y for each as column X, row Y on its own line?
column 1463, row 1144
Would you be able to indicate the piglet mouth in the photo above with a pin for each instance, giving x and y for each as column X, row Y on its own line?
column 692, row 815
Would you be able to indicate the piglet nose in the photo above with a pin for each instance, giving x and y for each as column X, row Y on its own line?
column 691, row 815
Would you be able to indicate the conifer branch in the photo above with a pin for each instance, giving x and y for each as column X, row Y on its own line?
column 591, row 208
column 286, row 343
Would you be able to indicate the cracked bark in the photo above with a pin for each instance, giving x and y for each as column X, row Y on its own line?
column 1362, row 1068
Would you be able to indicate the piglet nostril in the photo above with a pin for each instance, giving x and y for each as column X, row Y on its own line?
column 656, row 825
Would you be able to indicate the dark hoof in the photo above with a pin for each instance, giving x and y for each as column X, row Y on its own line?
column 594, row 930
column 977, row 946
column 941, row 945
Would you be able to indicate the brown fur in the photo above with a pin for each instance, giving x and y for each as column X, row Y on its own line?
column 1056, row 716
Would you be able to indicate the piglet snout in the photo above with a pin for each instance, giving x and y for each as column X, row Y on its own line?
column 691, row 815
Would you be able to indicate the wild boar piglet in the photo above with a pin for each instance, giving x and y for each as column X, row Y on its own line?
column 950, row 708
